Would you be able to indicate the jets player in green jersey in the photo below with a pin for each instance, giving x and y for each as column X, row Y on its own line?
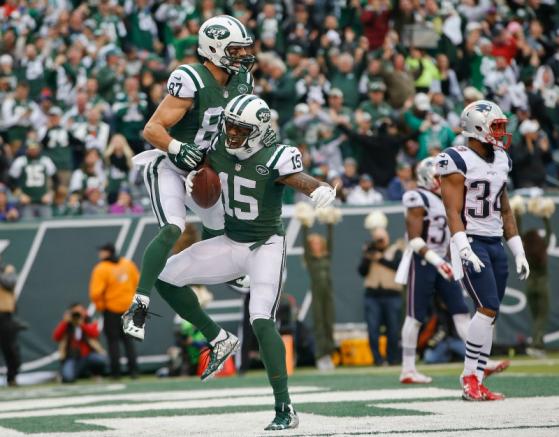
column 181, row 129
column 253, row 170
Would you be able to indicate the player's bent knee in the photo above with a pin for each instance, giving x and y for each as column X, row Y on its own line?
column 254, row 317
column 170, row 233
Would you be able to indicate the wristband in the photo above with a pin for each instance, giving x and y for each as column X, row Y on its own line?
column 417, row 244
column 432, row 258
column 516, row 246
column 174, row 147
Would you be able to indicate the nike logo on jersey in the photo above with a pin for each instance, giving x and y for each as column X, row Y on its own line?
column 177, row 78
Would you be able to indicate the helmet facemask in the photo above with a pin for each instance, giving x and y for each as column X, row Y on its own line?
column 498, row 135
column 238, row 58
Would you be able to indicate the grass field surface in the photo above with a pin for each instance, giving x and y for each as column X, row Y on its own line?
column 344, row 402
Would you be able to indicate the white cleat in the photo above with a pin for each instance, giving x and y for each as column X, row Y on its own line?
column 414, row 377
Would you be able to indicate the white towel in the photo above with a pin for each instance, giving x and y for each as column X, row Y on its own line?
column 456, row 261
column 404, row 268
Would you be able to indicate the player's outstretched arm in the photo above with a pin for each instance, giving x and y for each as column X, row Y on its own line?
column 321, row 193
column 510, row 232
column 169, row 112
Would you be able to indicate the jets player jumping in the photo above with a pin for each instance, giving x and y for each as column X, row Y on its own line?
column 253, row 170
column 475, row 196
column 182, row 128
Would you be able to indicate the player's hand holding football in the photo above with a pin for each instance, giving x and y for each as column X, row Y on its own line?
column 185, row 156
column 323, row 196
column 189, row 182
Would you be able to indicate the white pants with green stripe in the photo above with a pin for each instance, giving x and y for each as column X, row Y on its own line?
column 221, row 259
column 165, row 185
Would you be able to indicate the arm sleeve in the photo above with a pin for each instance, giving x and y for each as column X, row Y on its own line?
column 451, row 162
column 97, row 287
column 184, row 82
column 287, row 160
column 412, row 199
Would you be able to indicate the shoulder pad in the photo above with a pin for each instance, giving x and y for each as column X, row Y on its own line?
column 451, row 161
column 286, row 160
column 413, row 199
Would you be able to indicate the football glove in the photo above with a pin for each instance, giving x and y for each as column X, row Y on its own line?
column 323, row 196
column 185, row 156
column 189, row 182
column 468, row 256
column 517, row 249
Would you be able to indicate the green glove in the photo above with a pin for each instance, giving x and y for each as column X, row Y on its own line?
column 185, row 156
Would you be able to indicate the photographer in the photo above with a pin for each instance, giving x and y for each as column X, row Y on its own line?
column 383, row 296
column 8, row 326
column 80, row 352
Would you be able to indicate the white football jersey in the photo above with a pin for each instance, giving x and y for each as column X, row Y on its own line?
column 484, row 183
column 435, row 229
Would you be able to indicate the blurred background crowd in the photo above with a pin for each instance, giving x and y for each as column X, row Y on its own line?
column 366, row 88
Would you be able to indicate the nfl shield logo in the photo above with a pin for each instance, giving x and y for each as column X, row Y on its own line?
column 225, row 93
column 237, row 167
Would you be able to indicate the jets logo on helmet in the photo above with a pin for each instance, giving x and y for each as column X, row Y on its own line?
column 217, row 31
column 246, row 126
column 264, row 115
column 225, row 42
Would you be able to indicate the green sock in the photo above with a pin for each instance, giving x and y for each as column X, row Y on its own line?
column 185, row 303
column 211, row 233
column 155, row 257
column 272, row 353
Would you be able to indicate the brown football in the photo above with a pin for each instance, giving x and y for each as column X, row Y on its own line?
column 206, row 188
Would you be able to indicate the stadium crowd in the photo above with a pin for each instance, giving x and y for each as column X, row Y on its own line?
column 365, row 88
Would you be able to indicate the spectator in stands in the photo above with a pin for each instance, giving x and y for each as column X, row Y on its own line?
column 531, row 156
column 94, row 201
column 17, row 111
column 8, row 210
column 33, row 177
column 402, row 182
column 111, row 289
column 364, row 193
column 383, row 297
column 118, row 161
column 124, row 204
column 90, row 174
column 79, row 349
column 8, row 326
column 56, row 145
column 376, row 107
column 130, row 113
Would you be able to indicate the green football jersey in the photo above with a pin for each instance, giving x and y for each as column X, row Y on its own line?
column 200, row 125
column 33, row 175
column 252, row 199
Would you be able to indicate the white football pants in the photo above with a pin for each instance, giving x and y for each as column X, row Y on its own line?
column 220, row 259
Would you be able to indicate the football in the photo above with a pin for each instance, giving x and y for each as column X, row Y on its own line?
column 206, row 188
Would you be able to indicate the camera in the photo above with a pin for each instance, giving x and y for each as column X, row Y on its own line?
column 76, row 315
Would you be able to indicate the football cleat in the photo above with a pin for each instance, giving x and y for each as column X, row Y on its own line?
column 488, row 395
column 495, row 367
column 219, row 353
column 286, row 418
column 414, row 377
column 134, row 320
column 471, row 390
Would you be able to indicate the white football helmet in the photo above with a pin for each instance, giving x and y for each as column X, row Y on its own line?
column 485, row 121
column 253, row 115
column 217, row 36
column 427, row 176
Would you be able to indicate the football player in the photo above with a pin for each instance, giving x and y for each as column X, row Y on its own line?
column 253, row 170
column 474, row 192
column 183, row 126
column 427, row 270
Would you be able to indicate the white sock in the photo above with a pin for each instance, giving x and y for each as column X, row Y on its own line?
column 461, row 323
column 410, row 332
column 479, row 330
column 144, row 299
column 221, row 336
column 484, row 356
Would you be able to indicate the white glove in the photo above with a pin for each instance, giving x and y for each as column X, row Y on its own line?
column 517, row 249
column 323, row 196
column 189, row 181
column 466, row 253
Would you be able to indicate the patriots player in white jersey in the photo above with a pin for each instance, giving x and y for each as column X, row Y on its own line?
column 426, row 268
column 473, row 182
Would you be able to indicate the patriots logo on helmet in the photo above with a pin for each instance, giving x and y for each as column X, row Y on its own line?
column 483, row 107
column 443, row 163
